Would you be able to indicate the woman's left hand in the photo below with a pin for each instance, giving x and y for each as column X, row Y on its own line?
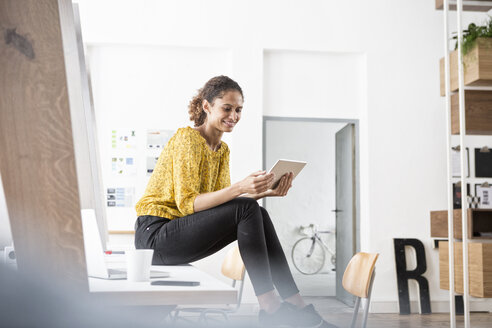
column 283, row 186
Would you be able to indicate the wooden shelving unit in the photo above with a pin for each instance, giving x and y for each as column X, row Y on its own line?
column 464, row 267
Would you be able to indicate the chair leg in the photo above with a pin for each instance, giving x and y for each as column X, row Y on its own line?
column 366, row 312
column 356, row 312
column 175, row 316
column 369, row 293
column 203, row 317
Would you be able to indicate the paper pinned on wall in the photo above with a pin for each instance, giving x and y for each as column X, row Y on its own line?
column 483, row 162
column 123, row 166
column 123, row 139
column 485, row 195
column 456, row 162
column 120, row 196
column 151, row 162
column 157, row 139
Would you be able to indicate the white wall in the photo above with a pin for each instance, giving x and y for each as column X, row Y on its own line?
column 314, row 84
column 402, row 118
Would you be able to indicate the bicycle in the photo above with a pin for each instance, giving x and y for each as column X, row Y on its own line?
column 308, row 253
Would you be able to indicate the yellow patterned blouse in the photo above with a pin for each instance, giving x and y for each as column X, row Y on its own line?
column 186, row 168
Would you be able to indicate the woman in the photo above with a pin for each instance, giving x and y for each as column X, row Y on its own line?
column 190, row 209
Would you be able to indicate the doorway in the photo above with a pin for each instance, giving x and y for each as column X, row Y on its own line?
column 324, row 194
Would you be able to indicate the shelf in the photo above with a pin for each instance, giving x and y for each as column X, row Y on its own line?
column 478, row 113
column 477, row 66
column 477, row 5
column 479, row 264
column 479, row 224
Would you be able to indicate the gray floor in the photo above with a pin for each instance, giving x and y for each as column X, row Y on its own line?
column 322, row 284
column 326, row 306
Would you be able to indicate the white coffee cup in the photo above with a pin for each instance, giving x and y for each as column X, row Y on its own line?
column 138, row 262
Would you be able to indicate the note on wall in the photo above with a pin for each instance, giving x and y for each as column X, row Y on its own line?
column 483, row 162
column 123, row 139
column 120, row 196
column 151, row 162
column 157, row 139
column 484, row 192
column 123, row 166
column 456, row 162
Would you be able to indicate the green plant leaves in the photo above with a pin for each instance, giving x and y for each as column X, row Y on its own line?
column 472, row 33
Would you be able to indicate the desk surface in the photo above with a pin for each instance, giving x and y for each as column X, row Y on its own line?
column 123, row 292
column 210, row 291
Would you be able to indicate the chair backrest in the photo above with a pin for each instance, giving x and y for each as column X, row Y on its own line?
column 233, row 266
column 357, row 276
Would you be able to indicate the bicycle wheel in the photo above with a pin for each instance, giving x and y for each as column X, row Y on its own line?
column 308, row 256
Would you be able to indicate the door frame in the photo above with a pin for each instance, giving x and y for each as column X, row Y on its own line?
column 355, row 122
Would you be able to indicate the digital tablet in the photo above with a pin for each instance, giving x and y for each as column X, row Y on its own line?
column 284, row 166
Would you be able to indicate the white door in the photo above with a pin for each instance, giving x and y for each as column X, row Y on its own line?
column 345, row 206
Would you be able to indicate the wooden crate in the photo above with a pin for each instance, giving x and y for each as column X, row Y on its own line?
column 479, row 269
column 479, row 224
column 478, row 112
column 478, row 66
column 466, row 7
column 439, row 224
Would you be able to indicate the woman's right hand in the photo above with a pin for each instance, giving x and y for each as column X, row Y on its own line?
column 256, row 183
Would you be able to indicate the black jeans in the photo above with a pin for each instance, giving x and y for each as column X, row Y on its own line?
column 193, row 237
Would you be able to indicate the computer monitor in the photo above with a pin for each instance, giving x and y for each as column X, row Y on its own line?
column 5, row 232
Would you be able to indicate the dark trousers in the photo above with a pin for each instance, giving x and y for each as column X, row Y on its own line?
column 193, row 237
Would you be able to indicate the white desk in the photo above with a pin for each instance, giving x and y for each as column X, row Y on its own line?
column 123, row 292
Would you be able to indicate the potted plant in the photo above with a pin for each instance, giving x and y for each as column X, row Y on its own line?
column 477, row 57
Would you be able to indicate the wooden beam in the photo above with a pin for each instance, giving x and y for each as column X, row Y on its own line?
column 121, row 232
column 37, row 160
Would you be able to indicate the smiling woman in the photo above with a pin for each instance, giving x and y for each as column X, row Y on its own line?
column 215, row 90
column 190, row 210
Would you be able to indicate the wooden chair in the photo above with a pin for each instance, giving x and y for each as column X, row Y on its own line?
column 233, row 268
column 358, row 279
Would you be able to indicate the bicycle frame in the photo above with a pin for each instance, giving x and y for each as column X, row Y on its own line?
column 323, row 243
column 310, row 239
column 311, row 249
column 314, row 234
column 314, row 238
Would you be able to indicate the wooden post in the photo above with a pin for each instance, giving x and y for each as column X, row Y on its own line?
column 37, row 160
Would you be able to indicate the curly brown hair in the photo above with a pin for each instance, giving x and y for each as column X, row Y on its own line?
column 216, row 87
